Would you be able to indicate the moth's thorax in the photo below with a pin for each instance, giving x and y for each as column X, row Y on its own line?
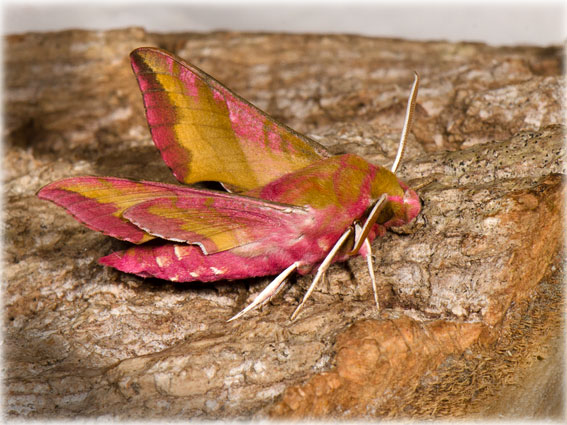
column 384, row 181
column 344, row 187
column 342, row 181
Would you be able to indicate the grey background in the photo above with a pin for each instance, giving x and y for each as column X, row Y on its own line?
column 505, row 22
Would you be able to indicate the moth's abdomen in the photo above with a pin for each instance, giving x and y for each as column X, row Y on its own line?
column 187, row 263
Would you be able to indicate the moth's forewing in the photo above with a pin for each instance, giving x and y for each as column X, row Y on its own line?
column 205, row 132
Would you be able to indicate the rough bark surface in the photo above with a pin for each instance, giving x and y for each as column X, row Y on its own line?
column 471, row 292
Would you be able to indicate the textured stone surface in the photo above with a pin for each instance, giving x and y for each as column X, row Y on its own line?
column 474, row 278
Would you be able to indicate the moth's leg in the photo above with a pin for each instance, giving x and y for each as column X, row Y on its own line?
column 269, row 291
column 371, row 271
column 323, row 268
column 367, row 252
column 276, row 291
column 370, row 221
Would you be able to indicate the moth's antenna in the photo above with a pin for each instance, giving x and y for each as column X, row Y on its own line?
column 379, row 205
column 407, row 123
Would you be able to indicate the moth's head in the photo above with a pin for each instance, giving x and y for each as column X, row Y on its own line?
column 403, row 203
column 411, row 203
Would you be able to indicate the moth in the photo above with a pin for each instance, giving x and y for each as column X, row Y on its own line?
column 289, row 205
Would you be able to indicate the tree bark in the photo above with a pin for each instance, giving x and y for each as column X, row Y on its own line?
column 471, row 292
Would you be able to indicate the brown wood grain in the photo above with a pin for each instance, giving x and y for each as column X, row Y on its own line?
column 471, row 291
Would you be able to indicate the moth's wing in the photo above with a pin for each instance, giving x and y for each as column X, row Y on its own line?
column 218, row 221
column 98, row 202
column 205, row 132
column 140, row 211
